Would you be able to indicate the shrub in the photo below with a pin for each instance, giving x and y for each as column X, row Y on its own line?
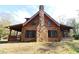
column 76, row 37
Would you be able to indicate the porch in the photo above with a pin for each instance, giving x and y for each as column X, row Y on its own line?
column 14, row 33
column 66, row 32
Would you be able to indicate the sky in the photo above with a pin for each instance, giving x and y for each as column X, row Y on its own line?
column 57, row 9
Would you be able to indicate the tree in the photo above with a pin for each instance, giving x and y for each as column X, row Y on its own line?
column 61, row 19
column 5, row 20
column 3, row 30
column 72, row 22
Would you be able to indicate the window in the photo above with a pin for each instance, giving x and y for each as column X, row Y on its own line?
column 30, row 34
column 52, row 33
column 49, row 22
column 33, row 23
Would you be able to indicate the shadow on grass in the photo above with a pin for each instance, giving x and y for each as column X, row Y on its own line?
column 52, row 44
column 3, row 42
column 48, row 46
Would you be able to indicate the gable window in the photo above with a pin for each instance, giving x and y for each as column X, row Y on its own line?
column 52, row 33
column 30, row 34
column 33, row 23
column 49, row 22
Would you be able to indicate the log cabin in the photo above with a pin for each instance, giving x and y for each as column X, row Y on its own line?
column 41, row 27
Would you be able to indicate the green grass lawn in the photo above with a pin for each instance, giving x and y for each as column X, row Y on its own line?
column 63, row 47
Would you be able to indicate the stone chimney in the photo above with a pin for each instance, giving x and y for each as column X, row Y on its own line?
column 42, row 32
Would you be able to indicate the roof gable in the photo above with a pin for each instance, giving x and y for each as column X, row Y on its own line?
column 37, row 14
column 31, row 18
column 52, row 18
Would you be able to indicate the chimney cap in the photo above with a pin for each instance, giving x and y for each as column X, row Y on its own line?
column 41, row 7
column 27, row 19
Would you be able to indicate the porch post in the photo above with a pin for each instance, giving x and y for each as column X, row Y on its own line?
column 9, row 35
column 16, row 33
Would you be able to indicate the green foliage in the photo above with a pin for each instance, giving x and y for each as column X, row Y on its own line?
column 76, row 37
column 3, row 30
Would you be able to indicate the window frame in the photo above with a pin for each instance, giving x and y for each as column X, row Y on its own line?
column 30, row 34
column 49, row 23
column 50, row 33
